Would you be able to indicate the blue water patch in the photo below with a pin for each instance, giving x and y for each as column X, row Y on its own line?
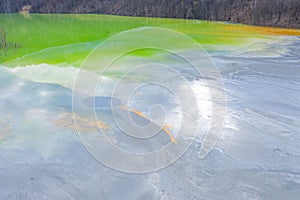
column 101, row 102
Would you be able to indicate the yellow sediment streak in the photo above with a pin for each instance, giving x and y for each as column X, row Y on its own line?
column 87, row 125
column 82, row 124
column 262, row 30
column 166, row 127
column 139, row 113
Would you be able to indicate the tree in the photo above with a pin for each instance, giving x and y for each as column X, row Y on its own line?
column 5, row 45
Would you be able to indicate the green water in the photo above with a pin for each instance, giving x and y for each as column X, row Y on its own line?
column 67, row 39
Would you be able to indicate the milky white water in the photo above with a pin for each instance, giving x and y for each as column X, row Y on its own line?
column 257, row 156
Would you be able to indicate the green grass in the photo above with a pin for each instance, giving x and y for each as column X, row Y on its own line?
column 67, row 39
